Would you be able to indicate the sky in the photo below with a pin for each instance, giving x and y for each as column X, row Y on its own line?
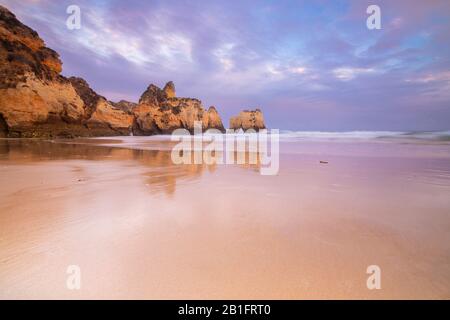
column 308, row 65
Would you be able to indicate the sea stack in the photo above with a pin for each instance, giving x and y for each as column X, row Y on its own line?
column 160, row 112
column 248, row 119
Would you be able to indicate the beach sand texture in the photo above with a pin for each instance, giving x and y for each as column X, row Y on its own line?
column 141, row 227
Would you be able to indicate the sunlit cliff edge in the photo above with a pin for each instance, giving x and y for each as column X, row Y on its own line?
column 37, row 101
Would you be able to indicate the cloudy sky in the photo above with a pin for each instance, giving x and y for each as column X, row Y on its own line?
column 309, row 65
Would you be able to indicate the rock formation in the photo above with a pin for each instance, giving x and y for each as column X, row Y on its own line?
column 37, row 101
column 213, row 120
column 101, row 117
column 169, row 89
column 124, row 105
column 248, row 119
column 159, row 111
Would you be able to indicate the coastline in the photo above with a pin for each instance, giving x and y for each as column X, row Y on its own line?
column 115, row 187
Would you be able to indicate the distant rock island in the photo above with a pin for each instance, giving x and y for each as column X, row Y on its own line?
column 37, row 101
column 248, row 119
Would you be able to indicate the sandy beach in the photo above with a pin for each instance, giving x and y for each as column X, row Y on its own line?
column 140, row 227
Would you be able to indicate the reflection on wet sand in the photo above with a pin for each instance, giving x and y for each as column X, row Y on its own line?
column 141, row 227
column 28, row 151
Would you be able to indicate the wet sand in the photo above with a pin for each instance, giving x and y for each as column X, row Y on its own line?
column 140, row 227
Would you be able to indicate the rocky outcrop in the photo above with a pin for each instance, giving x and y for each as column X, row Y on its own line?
column 159, row 111
column 36, row 101
column 22, row 52
column 124, row 105
column 248, row 119
column 89, row 97
column 107, row 120
column 101, row 117
column 169, row 90
column 153, row 95
column 35, row 108
column 213, row 121
column 27, row 101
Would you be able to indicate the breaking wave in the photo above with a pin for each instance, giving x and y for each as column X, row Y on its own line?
column 366, row 135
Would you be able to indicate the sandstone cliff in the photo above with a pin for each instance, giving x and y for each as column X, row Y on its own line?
column 101, row 117
column 248, row 119
column 169, row 89
column 124, row 105
column 36, row 101
column 212, row 120
column 160, row 111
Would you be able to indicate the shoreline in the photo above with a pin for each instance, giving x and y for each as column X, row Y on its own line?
column 140, row 227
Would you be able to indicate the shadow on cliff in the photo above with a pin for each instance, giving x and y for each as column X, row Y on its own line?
column 3, row 127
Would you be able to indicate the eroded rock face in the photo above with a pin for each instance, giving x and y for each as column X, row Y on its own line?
column 101, row 116
column 36, row 109
column 22, row 52
column 213, row 120
column 169, row 89
column 107, row 120
column 124, row 105
column 159, row 111
column 248, row 119
column 3, row 128
column 89, row 97
column 36, row 101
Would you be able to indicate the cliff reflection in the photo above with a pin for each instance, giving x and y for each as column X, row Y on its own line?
column 161, row 173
